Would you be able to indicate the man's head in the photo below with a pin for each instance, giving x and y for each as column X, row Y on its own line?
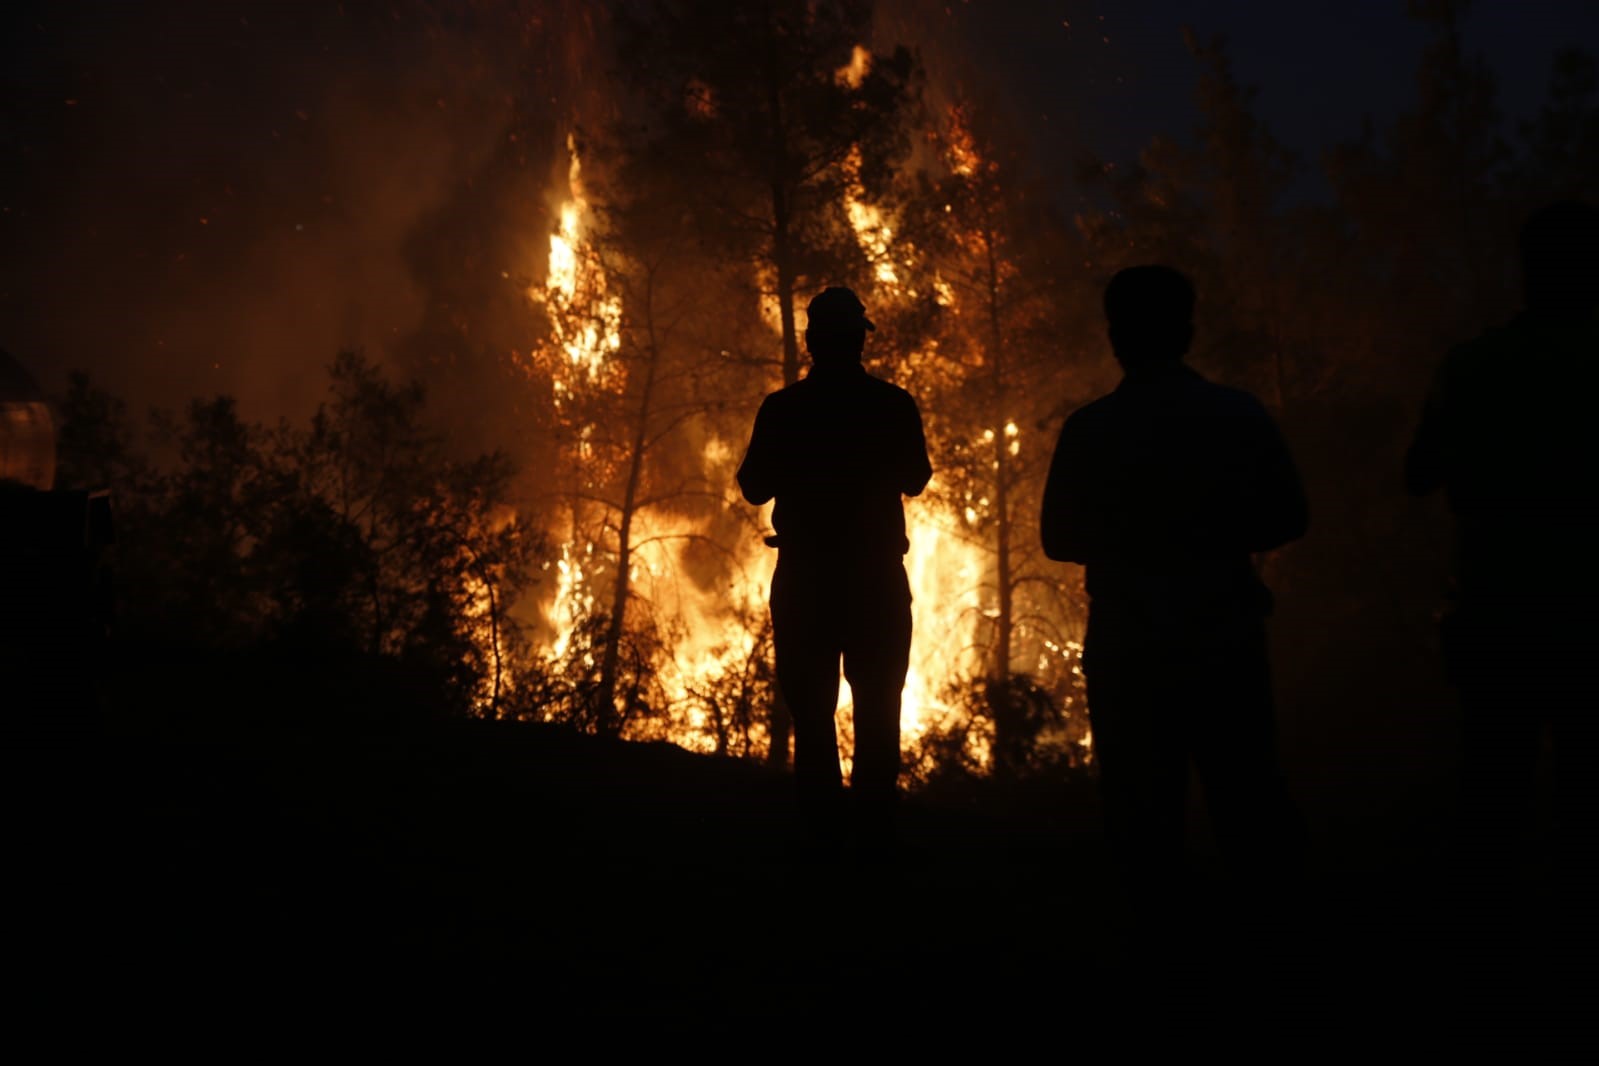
column 1150, row 311
column 835, row 327
column 1560, row 259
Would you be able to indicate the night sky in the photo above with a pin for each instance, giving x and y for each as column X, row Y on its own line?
column 1122, row 75
column 203, row 197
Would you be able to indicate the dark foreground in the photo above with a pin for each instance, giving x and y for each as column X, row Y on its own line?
column 184, row 857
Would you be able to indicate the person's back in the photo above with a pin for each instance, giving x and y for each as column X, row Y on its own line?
column 1162, row 490
column 1171, row 482
column 836, row 451
column 1509, row 435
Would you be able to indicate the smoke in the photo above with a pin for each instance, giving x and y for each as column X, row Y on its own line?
column 202, row 198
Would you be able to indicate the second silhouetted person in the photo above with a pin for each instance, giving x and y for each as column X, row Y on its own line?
column 1163, row 490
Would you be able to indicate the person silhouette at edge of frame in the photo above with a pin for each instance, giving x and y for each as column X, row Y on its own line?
column 836, row 450
column 1508, row 433
column 1163, row 490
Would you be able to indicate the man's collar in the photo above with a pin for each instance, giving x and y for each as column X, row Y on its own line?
column 835, row 370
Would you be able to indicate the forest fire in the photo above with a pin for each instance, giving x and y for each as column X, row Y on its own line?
column 688, row 660
column 382, row 594
column 620, row 298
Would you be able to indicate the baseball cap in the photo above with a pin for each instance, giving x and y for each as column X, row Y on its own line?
column 837, row 306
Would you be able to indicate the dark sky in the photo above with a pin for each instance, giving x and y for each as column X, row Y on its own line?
column 1109, row 76
column 217, row 196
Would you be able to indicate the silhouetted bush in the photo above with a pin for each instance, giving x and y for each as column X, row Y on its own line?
column 354, row 540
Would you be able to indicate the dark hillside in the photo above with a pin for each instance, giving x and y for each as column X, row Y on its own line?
column 183, row 845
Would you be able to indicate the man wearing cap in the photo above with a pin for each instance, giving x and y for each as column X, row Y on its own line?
column 837, row 450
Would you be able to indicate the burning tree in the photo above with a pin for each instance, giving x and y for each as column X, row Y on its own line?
column 640, row 384
column 993, row 266
column 765, row 126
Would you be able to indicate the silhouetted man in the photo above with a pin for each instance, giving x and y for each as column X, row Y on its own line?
column 1509, row 433
column 837, row 450
column 1163, row 489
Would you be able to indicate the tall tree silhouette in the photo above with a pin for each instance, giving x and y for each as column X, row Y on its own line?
column 772, row 111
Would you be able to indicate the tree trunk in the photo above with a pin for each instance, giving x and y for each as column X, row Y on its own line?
column 609, row 720
column 1004, row 580
column 494, row 639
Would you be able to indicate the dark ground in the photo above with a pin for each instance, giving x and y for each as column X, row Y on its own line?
column 213, row 829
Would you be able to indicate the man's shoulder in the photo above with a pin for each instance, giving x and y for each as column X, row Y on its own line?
column 1093, row 413
column 1514, row 342
column 890, row 392
column 795, row 392
column 878, row 390
column 1524, row 368
column 1475, row 371
column 1189, row 393
column 1202, row 396
column 1230, row 400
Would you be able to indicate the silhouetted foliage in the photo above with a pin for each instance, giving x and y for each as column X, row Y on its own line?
column 94, row 441
column 1012, row 730
column 354, row 538
column 734, row 708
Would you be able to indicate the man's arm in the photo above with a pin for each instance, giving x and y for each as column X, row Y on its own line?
column 759, row 474
column 1072, row 522
column 915, row 469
